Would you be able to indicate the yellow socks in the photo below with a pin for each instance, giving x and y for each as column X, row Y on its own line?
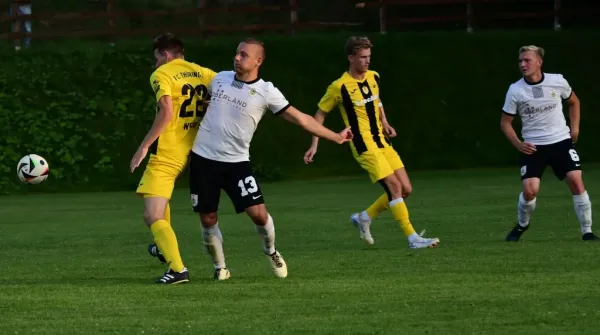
column 165, row 239
column 380, row 205
column 400, row 212
column 167, row 216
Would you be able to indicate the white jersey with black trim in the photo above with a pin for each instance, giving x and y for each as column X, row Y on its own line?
column 540, row 107
column 233, row 114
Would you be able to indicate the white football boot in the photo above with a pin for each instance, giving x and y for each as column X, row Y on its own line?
column 422, row 242
column 222, row 274
column 363, row 227
column 278, row 264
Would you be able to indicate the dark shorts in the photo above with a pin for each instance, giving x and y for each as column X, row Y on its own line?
column 561, row 156
column 209, row 177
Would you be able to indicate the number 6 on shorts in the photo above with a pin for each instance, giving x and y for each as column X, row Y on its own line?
column 574, row 155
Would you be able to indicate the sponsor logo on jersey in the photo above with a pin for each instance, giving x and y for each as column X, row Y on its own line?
column 530, row 111
column 366, row 101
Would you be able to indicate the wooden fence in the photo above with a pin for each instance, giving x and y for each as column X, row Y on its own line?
column 285, row 17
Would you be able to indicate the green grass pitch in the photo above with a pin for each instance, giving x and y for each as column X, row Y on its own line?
column 77, row 264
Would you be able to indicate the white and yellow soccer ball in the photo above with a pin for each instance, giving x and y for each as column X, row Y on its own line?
column 33, row 169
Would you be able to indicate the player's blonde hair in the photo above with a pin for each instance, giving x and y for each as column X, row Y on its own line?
column 356, row 43
column 538, row 50
column 252, row 40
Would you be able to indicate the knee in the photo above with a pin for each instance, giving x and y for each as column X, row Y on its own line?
column 529, row 194
column 574, row 180
column 258, row 215
column 151, row 216
column 208, row 219
column 576, row 186
column 394, row 188
column 406, row 190
column 531, row 187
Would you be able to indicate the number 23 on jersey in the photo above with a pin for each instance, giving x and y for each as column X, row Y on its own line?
column 195, row 94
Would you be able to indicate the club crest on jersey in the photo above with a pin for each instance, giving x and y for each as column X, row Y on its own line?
column 365, row 90
column 252, row 92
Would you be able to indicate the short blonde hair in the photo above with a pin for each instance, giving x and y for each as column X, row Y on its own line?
column 356, row 43
column 252, row 40
column 538, row 51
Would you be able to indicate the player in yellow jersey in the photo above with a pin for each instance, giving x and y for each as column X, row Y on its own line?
column 356, row 94
column 181, row 89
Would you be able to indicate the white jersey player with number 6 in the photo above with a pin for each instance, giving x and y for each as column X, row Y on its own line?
column 547, row 140
column 220, row 158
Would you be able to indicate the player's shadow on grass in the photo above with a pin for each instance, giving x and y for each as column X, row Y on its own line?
column 109, row 281
column 82, row 281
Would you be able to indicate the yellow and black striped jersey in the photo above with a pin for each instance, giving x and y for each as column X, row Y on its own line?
column 358, row 102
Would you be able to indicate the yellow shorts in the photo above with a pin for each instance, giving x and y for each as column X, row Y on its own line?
column 158, row 180
column 380, row 163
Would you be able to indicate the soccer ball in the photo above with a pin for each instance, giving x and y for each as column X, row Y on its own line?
column 32, row 169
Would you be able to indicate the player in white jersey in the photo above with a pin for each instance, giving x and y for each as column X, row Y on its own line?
column 547, row 140
column 220, row 158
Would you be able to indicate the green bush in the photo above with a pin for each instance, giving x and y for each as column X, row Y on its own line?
column 86, row 108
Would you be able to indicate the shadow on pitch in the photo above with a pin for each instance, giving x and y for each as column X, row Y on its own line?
column 95, row 282
column 81, row 281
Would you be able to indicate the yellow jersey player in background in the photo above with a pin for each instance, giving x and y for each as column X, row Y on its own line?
column 356, row 94
column 181, row 89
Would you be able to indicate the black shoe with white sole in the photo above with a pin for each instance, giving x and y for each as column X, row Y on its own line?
column 172, row 277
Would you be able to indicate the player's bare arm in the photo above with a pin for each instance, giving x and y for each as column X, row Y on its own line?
column 508, row 130
column 311, row 125
column 575, row 116
column 310, row 153
column 162, row 119
column 389, row 130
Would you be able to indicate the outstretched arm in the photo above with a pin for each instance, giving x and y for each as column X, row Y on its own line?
column 315, row 127
column 320, row 118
